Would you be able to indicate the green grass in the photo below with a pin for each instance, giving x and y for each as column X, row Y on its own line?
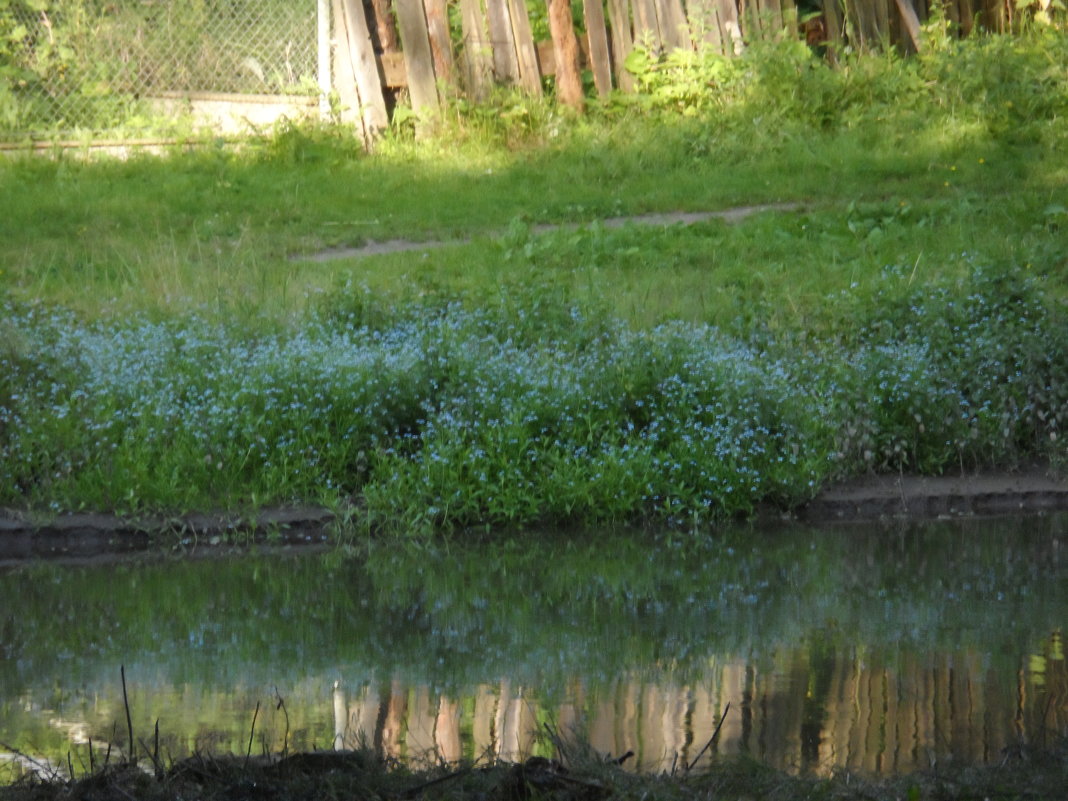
column 925, row 186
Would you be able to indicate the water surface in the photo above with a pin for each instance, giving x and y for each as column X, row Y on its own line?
column 883, row 649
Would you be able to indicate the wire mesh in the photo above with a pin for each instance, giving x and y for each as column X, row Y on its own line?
column 93, row 65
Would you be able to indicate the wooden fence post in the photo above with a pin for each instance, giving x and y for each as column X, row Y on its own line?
column 505, row 61
column 388, row 39
column 477, row 53
column 673, row 28
column 437, row 24
column 646, row 25
column 358, row 74
column 622, row 41
column 597, row 35
column 566, row 54
column 911, row 22
column 529, row 73
column 418, row 61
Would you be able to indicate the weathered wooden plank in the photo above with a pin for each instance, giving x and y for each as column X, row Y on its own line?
column 505, row 60
column 771, row 15
column 832, row 20
column 384, row 27
column 731, row 26
column 646, row 25
column 911, row 22
column 597, row 36
column 529, row 74
column 789, row 14
column 750, row 19
column 967, row 17
column 704, row 22
column 363, row 68
column 437, row 28
column 673, row 26
column 881, row 18
column 478, row 65
column 415, row 41
column 860, row 28
column 566, row 52
column 547, row 57
column 391, row 68
column 622, row 41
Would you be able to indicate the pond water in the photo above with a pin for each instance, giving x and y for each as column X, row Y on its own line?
column 875, row 648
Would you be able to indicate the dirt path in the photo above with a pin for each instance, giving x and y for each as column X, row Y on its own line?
column 373, row 248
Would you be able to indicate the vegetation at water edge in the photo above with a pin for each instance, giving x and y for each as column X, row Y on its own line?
column 165, row 348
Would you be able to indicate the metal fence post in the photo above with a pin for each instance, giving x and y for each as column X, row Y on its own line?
column 323, row 17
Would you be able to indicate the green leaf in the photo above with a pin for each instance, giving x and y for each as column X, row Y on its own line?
column 637, row 62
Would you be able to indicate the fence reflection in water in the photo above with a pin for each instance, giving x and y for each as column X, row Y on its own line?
column 843, row 710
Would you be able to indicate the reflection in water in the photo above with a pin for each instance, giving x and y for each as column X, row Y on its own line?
column 872, row 649
column 852, row 711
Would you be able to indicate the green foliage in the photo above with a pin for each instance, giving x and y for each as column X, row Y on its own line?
column 1013, row 84
column 529, row 412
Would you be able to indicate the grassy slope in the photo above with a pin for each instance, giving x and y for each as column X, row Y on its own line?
column 912, row 176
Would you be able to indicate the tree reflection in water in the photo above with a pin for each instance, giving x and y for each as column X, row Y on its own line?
column 880, row 649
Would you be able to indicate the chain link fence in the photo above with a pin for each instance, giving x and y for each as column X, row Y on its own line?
column 96, row 66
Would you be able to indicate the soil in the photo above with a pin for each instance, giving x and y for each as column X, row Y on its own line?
column 93, row 537
column 373, row 248
column 1028, row 491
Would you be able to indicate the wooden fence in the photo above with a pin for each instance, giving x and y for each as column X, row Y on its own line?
column 383, row 45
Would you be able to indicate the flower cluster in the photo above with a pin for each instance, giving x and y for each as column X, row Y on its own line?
column 454, row 417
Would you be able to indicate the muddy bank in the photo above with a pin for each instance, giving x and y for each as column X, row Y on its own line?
column 873, row 497
column 84, row 537
column 80, row 537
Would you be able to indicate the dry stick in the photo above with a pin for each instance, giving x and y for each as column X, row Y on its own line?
column 711, row 739
column 411, row 792
column 92, row 762
column 70, row 767
column 42, row 767
column 126, row 703
column 155, row 754
column 282, row 706
column 252, row 733
column 557, row 741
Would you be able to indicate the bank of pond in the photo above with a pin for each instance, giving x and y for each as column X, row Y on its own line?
column 526, row 411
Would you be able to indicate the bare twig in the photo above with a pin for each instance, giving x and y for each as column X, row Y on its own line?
column 252, row 733
column 711, row 739
column 411, row 792
column 129, row 722
column 282, row 706
column 42, row 768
